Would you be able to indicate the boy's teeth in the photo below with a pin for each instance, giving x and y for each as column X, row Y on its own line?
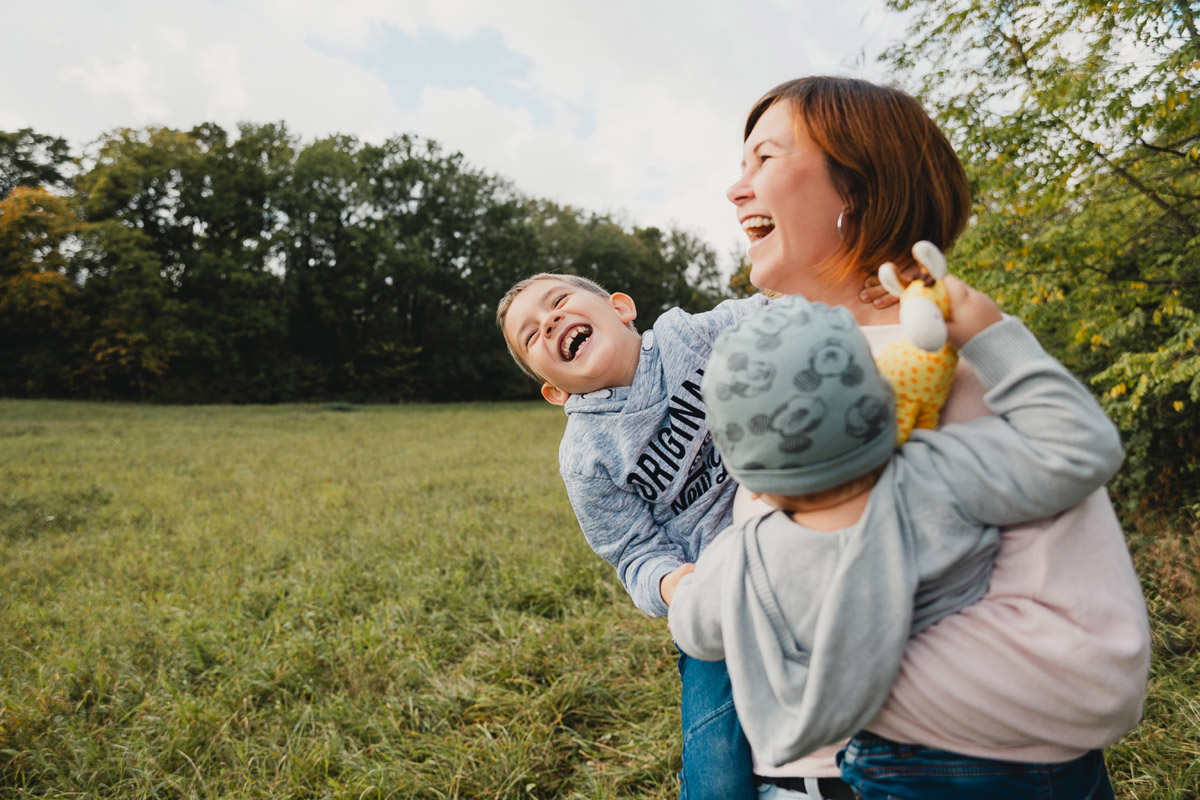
column 568, row 349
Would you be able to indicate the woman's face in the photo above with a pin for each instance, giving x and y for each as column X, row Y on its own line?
column 787, row 205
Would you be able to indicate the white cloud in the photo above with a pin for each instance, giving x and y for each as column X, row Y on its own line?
column 221, row 70
column 636, row 106
column 126, row 81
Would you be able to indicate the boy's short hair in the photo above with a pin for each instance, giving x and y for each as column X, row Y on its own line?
column 506, row 302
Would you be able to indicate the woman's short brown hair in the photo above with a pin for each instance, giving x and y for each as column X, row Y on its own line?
column 897, row 172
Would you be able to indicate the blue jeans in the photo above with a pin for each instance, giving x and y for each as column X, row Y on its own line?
column 880, row 769
column 716, row 755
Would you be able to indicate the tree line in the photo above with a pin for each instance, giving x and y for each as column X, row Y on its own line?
column 196, row 266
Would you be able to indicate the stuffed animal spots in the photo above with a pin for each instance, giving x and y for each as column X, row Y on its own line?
column 921, row 366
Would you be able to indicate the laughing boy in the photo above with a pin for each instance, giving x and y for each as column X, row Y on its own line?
column 641, row 471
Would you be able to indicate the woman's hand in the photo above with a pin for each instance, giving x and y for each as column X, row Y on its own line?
column 669, row 582
column 873, row 293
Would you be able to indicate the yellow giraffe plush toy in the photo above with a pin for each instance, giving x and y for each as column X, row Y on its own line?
column 921, row 366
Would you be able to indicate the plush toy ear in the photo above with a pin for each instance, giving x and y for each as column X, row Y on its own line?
column 930, row 257
column 890, row 280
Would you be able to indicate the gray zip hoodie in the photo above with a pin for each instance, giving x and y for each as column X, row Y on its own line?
column 813, row 624
column 640, row 468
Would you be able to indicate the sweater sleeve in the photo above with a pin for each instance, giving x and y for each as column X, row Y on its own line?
column 695, row 614
column 620, row 528
column 1048, row 448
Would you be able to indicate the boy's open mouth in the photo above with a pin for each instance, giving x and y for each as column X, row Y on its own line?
column 757, row 227
column 572, row 340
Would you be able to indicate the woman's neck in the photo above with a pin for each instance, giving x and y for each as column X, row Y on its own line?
column 848, row 293
column 868, row 314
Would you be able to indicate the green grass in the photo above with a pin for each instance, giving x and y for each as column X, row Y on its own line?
column 298, row 601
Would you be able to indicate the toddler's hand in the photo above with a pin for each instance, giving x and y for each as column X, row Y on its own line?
column 666, row 587
column 971, row 311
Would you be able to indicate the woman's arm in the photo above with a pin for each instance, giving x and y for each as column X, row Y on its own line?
column 1053, row 660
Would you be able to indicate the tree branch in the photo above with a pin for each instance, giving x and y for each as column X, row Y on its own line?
column 1189, row 22
column 1158, row 149
column 1015, row 43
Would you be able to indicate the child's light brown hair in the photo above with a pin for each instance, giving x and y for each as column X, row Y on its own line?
column 506, row 302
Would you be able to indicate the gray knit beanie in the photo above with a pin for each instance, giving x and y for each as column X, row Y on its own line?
column 795, row 403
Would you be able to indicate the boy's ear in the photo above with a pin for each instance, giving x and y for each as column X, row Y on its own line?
column 625, row 306
column 554, row 395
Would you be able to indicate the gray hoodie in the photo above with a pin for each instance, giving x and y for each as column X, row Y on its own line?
column 640, row 468
column 813, row 624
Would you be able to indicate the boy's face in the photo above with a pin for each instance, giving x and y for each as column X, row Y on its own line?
column 578, row 342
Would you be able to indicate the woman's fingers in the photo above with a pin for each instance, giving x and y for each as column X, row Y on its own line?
column 874, row 294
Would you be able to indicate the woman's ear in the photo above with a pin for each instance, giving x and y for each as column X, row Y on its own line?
column 554, row 395
column 625, row 306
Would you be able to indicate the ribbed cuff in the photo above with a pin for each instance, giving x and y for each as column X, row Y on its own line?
column 997, row 349
column 655, row 606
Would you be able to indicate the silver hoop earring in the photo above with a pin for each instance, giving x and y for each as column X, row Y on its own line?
column 841, row 216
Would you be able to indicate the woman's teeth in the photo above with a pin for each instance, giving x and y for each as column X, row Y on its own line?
column 758, row 227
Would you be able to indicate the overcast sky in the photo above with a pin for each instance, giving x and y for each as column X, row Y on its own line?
column 628, row 107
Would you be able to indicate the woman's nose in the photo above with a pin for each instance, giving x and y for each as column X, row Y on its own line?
column 739, row 191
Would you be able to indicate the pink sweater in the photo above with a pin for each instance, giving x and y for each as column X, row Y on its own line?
column 1051, row 663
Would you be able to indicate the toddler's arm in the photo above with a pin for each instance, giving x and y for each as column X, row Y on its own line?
column 696, row 607
column 1051, row 444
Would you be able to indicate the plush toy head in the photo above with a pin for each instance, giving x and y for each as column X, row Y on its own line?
column 924, row 304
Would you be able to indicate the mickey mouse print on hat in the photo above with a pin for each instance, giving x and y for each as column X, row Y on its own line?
column 795, row 402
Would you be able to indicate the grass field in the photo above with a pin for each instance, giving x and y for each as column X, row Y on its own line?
column 387, row 602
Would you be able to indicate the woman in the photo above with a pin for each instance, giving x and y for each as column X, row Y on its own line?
column 1018, row 693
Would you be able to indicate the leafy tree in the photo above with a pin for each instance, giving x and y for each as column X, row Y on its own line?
column 332, row 283
column 32, row 159
column 255, row 268
column 139, row 179
column 1080, row 129
column 133, row 326
column 739, row 282
column 38, row 313
column 206, row 211
column 659, row 269
column 230, row 296
column 456, row 239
